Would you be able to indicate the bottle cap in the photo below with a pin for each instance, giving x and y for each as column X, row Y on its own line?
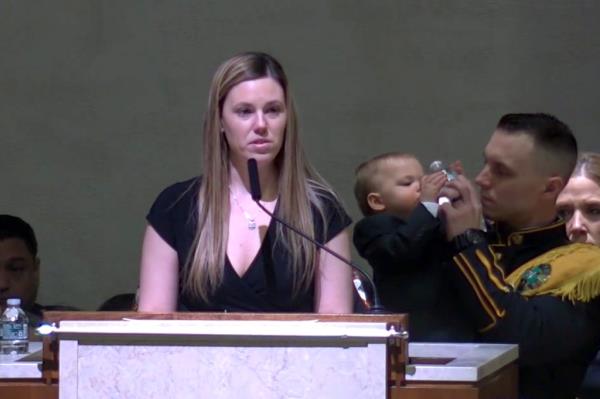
column 13, row 302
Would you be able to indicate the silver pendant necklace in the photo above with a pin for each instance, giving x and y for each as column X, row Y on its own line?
column 249, row 217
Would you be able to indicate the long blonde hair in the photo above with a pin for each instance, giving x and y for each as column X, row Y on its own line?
column 588, row 165
column 299, row 185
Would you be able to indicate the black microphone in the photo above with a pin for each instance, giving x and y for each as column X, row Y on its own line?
column 255, row 191
column 254, row 182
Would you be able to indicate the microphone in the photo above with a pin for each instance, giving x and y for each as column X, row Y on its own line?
column 254, row 181
column 376, row 307
column 437, row 166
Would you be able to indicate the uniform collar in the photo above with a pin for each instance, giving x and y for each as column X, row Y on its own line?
column 533, row 236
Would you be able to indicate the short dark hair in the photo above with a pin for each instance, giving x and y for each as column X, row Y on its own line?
column 549, row 134
column 15, row 227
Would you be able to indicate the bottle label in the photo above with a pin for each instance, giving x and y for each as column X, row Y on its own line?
column 14, row 331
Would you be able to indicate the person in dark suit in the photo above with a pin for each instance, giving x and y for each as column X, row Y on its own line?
column 401, row 238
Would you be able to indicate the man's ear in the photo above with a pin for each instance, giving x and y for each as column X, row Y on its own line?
column 554, row 186
column 375, row 203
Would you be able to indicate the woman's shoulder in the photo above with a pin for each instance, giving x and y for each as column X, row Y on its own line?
column 322, row 191
column 173, row 210
column 329, row 214
column 325, row 198
column 182, row 187
column 182, row 192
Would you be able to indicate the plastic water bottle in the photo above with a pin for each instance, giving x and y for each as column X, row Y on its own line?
column 439, row 165
column 15, row 329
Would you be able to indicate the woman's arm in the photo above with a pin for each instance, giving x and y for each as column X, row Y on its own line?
column 333, row 278
column 158, row 274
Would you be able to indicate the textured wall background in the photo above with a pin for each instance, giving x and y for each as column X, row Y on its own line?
column 101, row 102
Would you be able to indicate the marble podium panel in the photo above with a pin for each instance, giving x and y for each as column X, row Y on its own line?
column 222, row 359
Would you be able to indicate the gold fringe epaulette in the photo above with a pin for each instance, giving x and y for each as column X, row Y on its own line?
column 571, row 272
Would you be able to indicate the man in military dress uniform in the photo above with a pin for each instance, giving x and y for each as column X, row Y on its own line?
column 522, row 281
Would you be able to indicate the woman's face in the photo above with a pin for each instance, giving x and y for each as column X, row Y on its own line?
column 579, row 205
column 254, row 117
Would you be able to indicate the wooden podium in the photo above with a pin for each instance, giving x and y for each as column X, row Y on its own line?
column 130, row 355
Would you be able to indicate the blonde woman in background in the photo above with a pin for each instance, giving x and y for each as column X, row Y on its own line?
column 579, row 202
column 579, row 205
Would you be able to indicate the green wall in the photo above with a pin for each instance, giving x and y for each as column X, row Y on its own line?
column 101, row 102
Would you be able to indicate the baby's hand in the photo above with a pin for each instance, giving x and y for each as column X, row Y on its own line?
column 431, row 186
column 457, row 167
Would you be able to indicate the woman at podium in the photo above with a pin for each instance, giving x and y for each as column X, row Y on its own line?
column 208, row 246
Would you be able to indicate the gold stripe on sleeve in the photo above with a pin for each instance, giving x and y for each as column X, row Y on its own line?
column 488, row 327
column 499, row 313
column 467, row 274
column 486, row 262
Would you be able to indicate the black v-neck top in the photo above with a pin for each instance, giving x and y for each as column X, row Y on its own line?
column 267, row 284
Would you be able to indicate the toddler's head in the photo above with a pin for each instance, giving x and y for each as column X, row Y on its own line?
column 389, row 182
